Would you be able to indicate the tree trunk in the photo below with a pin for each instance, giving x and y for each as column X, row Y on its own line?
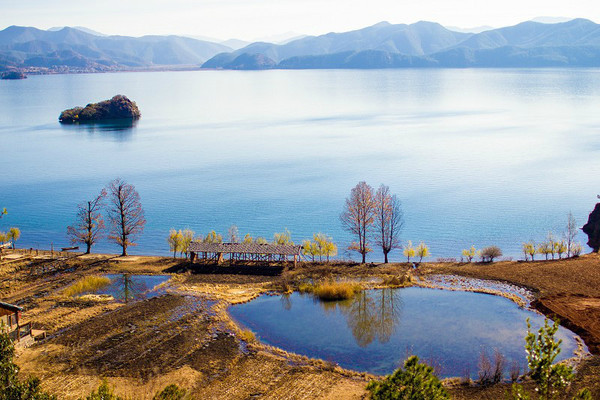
column 364, row 258
column 124, row 254
column 385, row 256
column 88, row 248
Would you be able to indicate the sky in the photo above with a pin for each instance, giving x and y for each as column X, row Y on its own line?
column 252, row 19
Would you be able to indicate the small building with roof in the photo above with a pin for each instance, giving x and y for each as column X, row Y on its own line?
column 11, row 322
column 244, row 252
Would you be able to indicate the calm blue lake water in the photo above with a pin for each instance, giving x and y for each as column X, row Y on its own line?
column 477, row 156
column 378, row 329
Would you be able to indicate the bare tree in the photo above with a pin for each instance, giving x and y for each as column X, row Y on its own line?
column 125, row 214
column 234, row 234
column 570, row 233
column 89, row 224
column 358, row 217
column 389, row 220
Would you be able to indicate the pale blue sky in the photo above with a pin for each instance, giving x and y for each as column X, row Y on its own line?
column 251, row 19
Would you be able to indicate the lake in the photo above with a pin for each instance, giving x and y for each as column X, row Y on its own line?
column 378, row 329
column 477, row 156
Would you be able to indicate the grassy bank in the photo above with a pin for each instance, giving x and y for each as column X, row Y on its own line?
column 89, row 284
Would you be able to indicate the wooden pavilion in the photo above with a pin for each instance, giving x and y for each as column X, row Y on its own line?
column 244, row 252
column 11, row 323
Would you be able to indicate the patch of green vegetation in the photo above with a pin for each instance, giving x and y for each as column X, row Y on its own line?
column 415, row 382
column 551, row 379
column 171, row 392
column 90, row 283
column 11, row 387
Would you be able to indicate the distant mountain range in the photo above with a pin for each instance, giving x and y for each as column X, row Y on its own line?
column 428, row 44
column 384, row 45
column 73, row 50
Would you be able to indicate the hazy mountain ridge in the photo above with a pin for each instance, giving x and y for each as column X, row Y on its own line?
column 383, row 45
column 25, row 47
column 427, row 44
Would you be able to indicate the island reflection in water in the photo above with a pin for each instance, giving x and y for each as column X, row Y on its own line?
column 119, row 129
column 377, row 329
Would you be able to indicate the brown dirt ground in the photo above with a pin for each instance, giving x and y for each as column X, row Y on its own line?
column 187, row 338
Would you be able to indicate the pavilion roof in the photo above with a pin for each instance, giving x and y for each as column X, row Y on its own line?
column 248, row 248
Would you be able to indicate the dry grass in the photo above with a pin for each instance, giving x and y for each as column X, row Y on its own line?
column 247, row 336
column 332, row 291
column 397, row 280
column 88, row 284
column 306, row 287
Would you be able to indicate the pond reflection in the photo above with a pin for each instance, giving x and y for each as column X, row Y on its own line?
column 370, row 316
column 377, row 329
column 126, row 287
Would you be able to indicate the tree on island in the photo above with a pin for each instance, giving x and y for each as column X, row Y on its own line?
column 358, row 217
column 3, row 212
column 89, row 224
column 389, row 220
column 125, row 214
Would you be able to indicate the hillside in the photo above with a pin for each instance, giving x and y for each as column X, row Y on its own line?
column 530, row 44
column 73, row 49
column 427, row 44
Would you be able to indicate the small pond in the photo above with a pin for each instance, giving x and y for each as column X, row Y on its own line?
column 378, row 329
column 125, row 287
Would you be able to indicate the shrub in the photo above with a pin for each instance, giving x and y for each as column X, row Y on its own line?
column 103, row 393
column 515, row 371
column 333, row 291
column 397, row 280
column 305, row 287
column 247, row 336
column 576, row 250
column 485, row 369
column 529, row 249
column 550, row 379
column 10, row 385
column 489, row 253
column 499, row 364
column 171, row 392
column 422, row 251
column 88, row 284
column 468, row 254
column 415, row 382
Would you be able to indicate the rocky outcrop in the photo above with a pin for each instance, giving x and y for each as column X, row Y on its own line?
column 117, row 108
column 592, row 229
column 13, row 75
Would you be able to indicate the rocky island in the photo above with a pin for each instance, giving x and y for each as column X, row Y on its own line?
column 117, row 108
column 13, row 75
